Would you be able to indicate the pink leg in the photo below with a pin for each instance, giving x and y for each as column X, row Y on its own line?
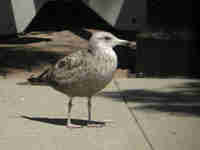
column 69, row 124
column 73, row 126
column 90, row 123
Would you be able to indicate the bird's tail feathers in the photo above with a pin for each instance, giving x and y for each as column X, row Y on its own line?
column 39, row 80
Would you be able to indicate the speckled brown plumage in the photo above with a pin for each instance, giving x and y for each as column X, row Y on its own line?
column 85, row 72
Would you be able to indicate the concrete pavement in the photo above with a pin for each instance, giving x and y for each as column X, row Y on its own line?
column 33, row 117
column 168, row 111
column 156, row 114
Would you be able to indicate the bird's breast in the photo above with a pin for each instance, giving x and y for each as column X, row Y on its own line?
column 93, row 76
column 106, row 64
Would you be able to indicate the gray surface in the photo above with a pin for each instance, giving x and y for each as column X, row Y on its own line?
column 16, row 132
column 164, row 129
column 167, row 110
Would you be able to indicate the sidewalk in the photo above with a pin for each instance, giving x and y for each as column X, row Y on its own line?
column 159, row 114
column 33, row 118
column 168, row 111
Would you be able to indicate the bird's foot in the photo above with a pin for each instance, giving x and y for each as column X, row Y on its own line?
column 95, row 125
column 72, row 126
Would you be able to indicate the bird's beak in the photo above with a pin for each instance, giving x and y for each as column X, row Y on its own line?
column 131, row 44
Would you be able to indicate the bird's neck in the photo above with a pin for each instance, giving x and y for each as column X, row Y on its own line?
column 101, row 48
column 106, row 55
column 98, row 45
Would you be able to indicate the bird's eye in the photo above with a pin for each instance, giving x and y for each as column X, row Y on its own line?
column 107, row 38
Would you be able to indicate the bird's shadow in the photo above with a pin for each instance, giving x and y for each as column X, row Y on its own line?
column 61, row 121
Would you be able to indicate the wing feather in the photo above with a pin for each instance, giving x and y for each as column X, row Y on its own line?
column 71, row 68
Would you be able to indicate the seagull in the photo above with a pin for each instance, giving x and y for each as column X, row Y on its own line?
column 84, row 72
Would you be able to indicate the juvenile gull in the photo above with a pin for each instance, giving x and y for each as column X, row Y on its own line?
column 85, row 72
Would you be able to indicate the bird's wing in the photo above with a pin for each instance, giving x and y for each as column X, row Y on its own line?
column 42, row 79
column 71, row 68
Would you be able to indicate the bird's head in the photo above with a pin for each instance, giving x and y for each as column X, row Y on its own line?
column 106, row 39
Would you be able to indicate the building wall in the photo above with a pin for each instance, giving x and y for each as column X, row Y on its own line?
column 133, row 15
column 122, row 14
column 7, row 22
column 17, row 14
column 108, row 10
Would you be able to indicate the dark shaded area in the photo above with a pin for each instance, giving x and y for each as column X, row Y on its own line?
column 38, row 4
column 25, row 58
column 61, row 121
column 184, row 99
column 126, row 58
column 7, row 24
column 178, row 55
column 172, row 109
column 165, row 56
column 3, row 72
column 23, row 40
column 176, row 15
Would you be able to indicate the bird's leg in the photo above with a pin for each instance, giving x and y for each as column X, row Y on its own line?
column 90, row 122
column 69, row 111
column 89, row 108
column 69, row 124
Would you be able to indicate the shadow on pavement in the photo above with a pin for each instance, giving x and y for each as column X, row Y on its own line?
column 23, row 40
column 183, row 99
column 61, row 121
column 25, row 58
